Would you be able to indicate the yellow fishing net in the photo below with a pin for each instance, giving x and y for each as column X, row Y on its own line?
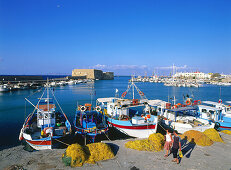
column 98, row 152
column 198, row 137
column 77, row 155
column 140, row 145
column 213, row 135
column 226, row 132
column 155, row 142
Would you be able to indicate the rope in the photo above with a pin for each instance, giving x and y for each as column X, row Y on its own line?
column 107, row 136
column 35, row 92
column 162, row 127
column 62, row 142
column 33, row 110
column 60, row 106
column 42, row 141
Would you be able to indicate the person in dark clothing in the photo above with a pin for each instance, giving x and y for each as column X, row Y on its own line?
column 175, row 147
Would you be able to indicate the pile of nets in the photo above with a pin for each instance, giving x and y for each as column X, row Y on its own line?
column 226, row 132
column 98, row 152
column 155, row 142
column 74, row 156
column 77, row 155
column 213, row 135
column 197, row 137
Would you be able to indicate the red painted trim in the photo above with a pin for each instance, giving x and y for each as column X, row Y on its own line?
column 142, row 127
column 48, row 142
column 225, row 127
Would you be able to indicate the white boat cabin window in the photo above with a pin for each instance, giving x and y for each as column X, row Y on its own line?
column 211, row 111
column 204, row 110
column 52, row 115
column 40, row 115
column 46, row 115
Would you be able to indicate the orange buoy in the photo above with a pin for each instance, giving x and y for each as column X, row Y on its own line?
column 124, row 94
column 141, row 93
column 188, row 102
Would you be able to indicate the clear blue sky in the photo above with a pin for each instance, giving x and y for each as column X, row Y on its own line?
column 124, row 36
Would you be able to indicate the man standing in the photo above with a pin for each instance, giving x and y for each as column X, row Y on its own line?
column 176, row 145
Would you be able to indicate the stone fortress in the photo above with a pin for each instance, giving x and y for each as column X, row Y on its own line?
column 93, row 74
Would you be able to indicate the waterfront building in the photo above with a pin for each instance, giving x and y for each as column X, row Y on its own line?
column 93, row 74
column 196, row 75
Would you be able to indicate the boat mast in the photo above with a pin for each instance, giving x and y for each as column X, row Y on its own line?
column 133, row 89
column 48, row 96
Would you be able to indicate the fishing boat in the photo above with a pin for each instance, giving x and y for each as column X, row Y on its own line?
column 90, row 122
column 45, row 127
column 3, row 88
column 226, row 109
column 223, row 118
column 133, row 117
column 185, row 118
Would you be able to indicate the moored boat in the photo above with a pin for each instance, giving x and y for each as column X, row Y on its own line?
column 45, row 127
column 90, row 122
column 133, row 117
column 223, row 120
column 3, row 88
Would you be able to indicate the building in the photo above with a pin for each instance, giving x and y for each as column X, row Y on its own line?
column 196, row 75
column 93, row 74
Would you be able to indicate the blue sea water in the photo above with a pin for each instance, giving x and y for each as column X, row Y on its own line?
column 14, row 108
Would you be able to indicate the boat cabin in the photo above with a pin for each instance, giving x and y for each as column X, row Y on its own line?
column 46, row 115
column 209, row 113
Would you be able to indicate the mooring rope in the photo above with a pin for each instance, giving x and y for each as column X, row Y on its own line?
column 107, row 136
column 62, row 142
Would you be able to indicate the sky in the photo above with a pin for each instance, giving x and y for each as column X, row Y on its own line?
column 123, row 36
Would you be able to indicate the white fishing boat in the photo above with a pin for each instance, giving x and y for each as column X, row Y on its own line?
column 183, row 119
column 45, row 127
column 224, row 119
column 4, row 88
column 133, row 117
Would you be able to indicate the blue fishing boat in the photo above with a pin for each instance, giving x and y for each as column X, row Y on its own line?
column 45, row 127
column 90, row 122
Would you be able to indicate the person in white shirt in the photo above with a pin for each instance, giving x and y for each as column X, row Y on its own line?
column 168, row 142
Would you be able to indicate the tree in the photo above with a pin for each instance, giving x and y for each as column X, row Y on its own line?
column 216, row 75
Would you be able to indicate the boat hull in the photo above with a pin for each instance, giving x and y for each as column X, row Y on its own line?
column 224, row 126
column 138, row 131
column 44, row 143
column 40, row 145
column 183, row 127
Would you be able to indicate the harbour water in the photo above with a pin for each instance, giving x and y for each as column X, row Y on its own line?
column 14, row 108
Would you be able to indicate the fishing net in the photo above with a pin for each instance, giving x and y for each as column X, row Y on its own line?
column 197, row 137
column 213, row 135
column 77, row 155
column 140, row 145
column 98, row 151
column 226, row 132
column 155, row 142
column 74, row 155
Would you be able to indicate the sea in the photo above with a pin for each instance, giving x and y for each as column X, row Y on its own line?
column 14, row 108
